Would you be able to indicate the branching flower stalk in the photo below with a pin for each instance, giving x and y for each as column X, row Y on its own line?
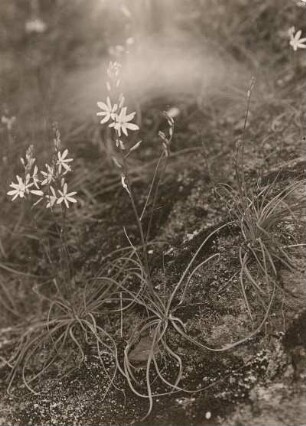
column 49, row 187
column 115, row 114
column 71, row 317
column 161, row 314
column 70, row 320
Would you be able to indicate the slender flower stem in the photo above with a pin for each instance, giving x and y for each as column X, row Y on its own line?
column 139, row 224
column 151, row 187
column 241, row 145
column 162, row 157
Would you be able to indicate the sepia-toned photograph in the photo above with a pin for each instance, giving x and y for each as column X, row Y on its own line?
column 152, row 213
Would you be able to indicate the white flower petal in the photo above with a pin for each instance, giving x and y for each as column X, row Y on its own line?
column 37, row 192
column 102, row 105
column 65, row 153
column 130, row 116
column 72, row 200
column 132, row 126
column 105, row 119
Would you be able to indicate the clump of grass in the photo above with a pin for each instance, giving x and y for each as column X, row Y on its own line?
column 263, row 216
column 63, row 333
column 263, row 219
column 160, row 317
column 157, row 327
column 71, row 303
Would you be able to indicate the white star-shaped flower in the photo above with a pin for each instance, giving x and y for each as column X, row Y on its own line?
column 122, row 122
column 20, row 188
column 66, row 197
column 62, row 161
column 108, row 110
column 296, row 42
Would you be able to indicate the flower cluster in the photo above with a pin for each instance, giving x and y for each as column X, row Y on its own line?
column 116, row 113
column 117, row 117
column 47, row 185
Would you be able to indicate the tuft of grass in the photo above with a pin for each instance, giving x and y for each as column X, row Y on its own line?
column 64, row 330
column 159, row 323
column 263, row 218
column 263, row 215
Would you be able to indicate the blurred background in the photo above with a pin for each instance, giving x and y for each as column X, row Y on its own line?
column 195, row 55
column 54, row 52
